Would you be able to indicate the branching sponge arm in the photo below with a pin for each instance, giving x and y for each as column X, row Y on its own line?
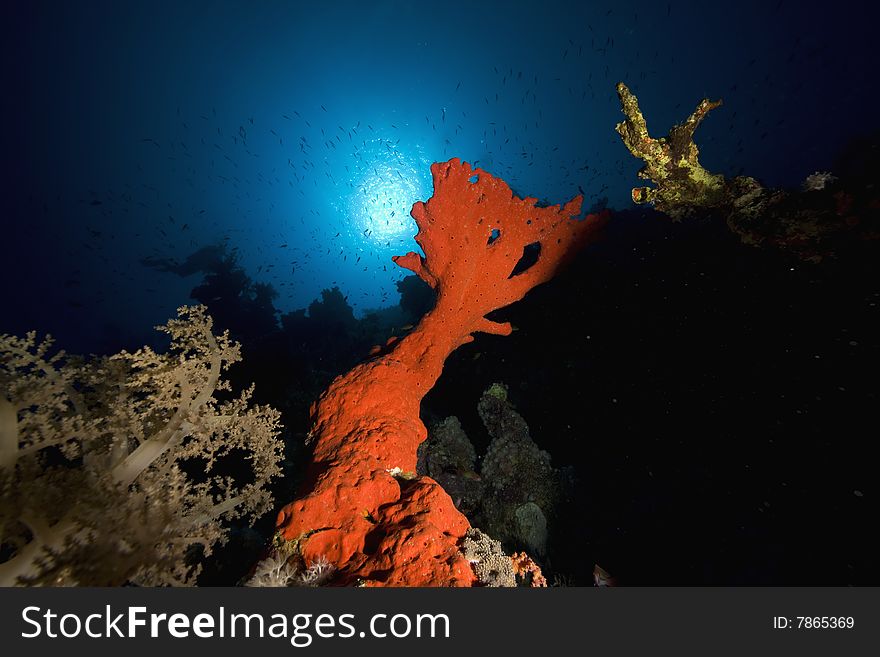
column 362, row 509
column 474, row 231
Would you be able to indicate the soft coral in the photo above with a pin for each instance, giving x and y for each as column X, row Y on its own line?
column 92, row 490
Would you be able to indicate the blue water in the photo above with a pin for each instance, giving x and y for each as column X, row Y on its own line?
column 300, row 134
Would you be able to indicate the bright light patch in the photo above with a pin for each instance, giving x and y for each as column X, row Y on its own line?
column 386, row 184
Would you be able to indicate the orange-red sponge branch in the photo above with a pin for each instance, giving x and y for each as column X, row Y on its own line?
column 363, row 510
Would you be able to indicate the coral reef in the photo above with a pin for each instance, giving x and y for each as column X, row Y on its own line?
column 362, row 507
column 671, row 161
column 235, row 302
column 492, row 566
column 521, row 487
column 449, row 458
column 516, row 489
column 120, row 469
column 526, row 569
column 813, row 223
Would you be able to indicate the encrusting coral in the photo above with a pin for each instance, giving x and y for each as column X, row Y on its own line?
column 514, row 494
column 118, row 469
column 363, row 508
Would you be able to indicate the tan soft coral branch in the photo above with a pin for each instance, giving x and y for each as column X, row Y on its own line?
column 125, row 510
